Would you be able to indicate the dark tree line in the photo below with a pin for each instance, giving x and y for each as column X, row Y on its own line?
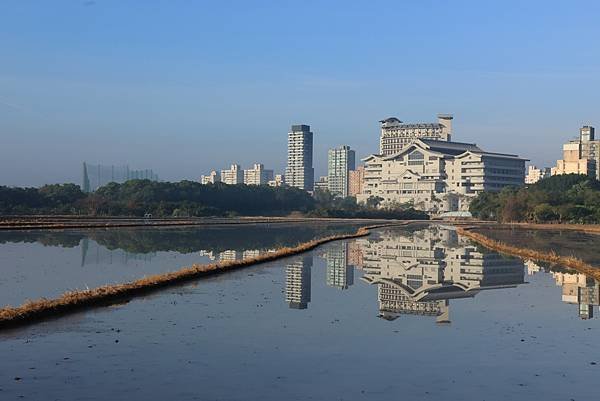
column 569, row 198
column 184, row 199
column 161, row 199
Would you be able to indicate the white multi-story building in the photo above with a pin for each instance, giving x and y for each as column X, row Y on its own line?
column 322, row 184
column 257, row 175
column 340, row 161
column 278, row 181
column 395, row 135
column 438, row 176
column 535, row 174
column 300, row 172
column 211, row 178
column 235, row 175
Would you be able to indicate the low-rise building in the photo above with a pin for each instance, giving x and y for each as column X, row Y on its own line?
column 212, row 178
column 438, row 176
column 322, row 184
column 258, row 175
column 278, row 181
column 535, row 174
column 235, row 175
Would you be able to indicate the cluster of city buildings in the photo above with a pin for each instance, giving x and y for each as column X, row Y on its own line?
column 580, row 156
column 256, row 175
column 299, row 172
column 417, row 163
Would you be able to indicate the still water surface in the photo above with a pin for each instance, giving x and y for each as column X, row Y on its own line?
column 407, row 313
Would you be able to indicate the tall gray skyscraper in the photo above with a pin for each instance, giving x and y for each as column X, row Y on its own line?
column 300, row 172
column 340, row 162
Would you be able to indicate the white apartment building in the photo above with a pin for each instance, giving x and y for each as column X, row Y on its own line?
column 300, row 172
column 235, row 175
column 322, row 184
column 535, row 174
column 395, row 135
column 438, row 176
column 278, row 181
column 211, row 178
column 340, row 161
column 257, row 175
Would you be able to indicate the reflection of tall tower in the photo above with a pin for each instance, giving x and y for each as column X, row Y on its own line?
column 339, row 273
column 85, row 243
column 297, row 283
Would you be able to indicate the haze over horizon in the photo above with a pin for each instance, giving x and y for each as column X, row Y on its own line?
column 183, row 88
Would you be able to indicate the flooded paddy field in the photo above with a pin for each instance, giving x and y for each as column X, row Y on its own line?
column 406, row 313
column 585, row 246
column 46, row 263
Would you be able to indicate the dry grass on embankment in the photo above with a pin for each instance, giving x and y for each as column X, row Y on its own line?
column 552, row 257
column 586, row 228
column 71, row 301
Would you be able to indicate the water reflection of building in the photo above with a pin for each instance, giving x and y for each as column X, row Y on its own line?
column 94, row 253
column 578, row 289
column 297, row 282
column 532, row 267
column 230, row 255
column 355, row 256
column 418, row 273
column 339, row 273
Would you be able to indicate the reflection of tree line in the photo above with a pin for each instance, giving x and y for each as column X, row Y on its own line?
column 184, row 240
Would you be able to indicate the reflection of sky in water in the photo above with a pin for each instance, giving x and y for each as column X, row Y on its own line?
column 565, row 242
column 352, row 320
column 38, row 264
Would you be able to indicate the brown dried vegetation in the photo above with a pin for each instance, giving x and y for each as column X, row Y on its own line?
column 552, row 257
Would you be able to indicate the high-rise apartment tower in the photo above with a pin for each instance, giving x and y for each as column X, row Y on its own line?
column 340, row 162
column 300, row 172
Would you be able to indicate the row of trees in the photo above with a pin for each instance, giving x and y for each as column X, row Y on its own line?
column 161, row 199
column 187, row 199
column 569, row 198
column 328, row 205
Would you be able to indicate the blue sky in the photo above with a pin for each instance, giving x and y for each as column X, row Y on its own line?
column 186, row 86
